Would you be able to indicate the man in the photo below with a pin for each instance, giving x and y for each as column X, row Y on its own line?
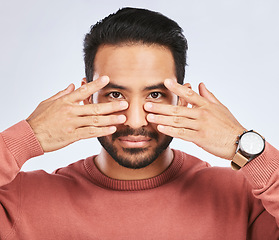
column 137, row 187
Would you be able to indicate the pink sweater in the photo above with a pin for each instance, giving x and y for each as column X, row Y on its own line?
column 190, row 200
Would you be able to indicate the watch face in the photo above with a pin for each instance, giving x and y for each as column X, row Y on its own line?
column 251, row 143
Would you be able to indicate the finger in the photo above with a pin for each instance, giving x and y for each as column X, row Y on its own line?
column 100, row 108
column 100, row 121
column 90, row 132
column 62, row 93
column 174, row 121
column 182, row 101
column 182, row 133
column 88, row 89
column 185, row 92
column 207, row 94
column 173, row 110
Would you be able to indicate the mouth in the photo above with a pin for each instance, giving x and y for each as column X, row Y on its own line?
column 134, row 141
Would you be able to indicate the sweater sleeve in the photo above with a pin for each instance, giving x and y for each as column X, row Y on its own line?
column 263, row 175
column 17, row 144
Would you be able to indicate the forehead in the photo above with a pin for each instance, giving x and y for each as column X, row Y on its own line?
column 134, row 65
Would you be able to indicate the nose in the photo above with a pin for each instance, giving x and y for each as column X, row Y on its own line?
column 136, row 115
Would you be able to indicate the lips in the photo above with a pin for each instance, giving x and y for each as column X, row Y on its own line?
column 134, row 141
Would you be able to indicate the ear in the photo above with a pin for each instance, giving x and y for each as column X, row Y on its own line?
column 89, row 99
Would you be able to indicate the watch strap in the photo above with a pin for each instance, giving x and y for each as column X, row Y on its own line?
column 238, row 161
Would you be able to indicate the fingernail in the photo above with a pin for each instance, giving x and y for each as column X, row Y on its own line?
column 151, row 117
column 67, row 87
column 121, row 118
column 148, row 105
column 123, row 104
column 104, row 79
column 112, row 129
column 169, row 82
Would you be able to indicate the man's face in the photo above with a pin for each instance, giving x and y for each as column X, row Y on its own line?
column 136, row 73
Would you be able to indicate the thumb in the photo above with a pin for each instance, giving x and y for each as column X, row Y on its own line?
column 207, row 94
column 62, row 93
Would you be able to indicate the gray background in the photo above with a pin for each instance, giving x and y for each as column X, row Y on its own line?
column 233, row 48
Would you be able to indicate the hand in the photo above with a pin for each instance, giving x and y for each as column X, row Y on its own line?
column 208, row 124
column 61, row 120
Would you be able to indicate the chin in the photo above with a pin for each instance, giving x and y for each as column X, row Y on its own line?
column 134, row 158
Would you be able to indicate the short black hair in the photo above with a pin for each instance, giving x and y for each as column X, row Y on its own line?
column 134, row 25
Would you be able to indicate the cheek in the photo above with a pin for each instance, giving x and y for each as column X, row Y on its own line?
column 153, row 128
column 99, row 97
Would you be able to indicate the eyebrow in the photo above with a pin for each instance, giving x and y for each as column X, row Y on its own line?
column 113, row 85
column 148, row 88
column 156, row 86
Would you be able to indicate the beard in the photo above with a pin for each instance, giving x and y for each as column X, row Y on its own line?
column 137, row 157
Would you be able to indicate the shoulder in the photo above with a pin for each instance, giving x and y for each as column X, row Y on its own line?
column 213, row 186
column 200, row 173
column 58, row 178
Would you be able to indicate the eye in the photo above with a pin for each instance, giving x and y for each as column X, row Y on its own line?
column 155, row 95
column 115, row 95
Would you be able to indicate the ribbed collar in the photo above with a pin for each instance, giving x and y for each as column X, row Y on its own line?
column 134, row 185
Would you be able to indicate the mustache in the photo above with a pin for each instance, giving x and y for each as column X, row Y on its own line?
column 135, row 132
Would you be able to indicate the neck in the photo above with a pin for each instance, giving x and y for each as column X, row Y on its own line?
column 108, row 166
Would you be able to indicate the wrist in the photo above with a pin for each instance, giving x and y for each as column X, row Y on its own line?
column 22, row 142
column 249, row 145
column 234, row 142
column 37, row 133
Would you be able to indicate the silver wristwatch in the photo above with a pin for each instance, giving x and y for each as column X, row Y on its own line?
column 250, row 144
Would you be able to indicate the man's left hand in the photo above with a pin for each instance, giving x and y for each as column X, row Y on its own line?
column 208, row 124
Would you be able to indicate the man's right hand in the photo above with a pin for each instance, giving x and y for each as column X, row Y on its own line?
column 61, row 120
